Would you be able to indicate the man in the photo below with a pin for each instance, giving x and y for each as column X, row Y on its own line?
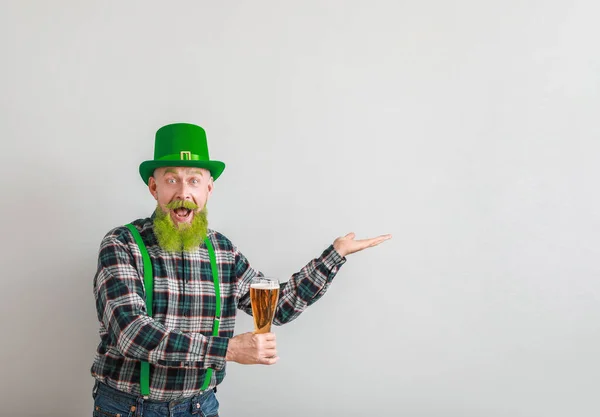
column 163, row 351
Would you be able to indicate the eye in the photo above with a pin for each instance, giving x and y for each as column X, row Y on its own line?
column 171, row 181
column 194, row 181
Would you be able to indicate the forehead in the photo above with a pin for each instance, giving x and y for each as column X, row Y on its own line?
column 183, row 171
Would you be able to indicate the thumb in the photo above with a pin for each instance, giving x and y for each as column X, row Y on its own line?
column 350, row 235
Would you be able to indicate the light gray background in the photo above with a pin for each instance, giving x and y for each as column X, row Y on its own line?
column 468, row 129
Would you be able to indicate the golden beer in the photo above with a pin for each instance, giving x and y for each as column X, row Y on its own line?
column 264, row 294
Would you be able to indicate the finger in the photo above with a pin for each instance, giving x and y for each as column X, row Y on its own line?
column 365, row 243
column 375, row 240
column 350, row 235
column 269, row 345
column 269, row 361
column 380, row 239
column 268, row 336
column 270, row 353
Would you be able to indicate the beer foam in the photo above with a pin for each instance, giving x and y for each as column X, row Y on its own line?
column 265, row 286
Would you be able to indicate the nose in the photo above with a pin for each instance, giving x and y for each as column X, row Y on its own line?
column 183, row 192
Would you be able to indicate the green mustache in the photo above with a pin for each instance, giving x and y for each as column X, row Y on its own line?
column 181, row 203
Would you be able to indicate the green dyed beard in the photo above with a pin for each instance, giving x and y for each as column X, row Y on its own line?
column 185, row 237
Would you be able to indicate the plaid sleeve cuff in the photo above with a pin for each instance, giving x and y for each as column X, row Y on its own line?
column 213, row 349
column 332, row 259
column 317, row 281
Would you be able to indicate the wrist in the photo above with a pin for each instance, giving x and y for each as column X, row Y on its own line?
column 231, row 349
column 339, row 250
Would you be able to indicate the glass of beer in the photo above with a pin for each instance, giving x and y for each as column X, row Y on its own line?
column 264, row 294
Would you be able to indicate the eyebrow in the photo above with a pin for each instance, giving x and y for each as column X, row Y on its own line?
column 193, row 171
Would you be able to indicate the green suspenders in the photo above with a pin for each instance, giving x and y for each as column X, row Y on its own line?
column 217, row 322
column 149, row 286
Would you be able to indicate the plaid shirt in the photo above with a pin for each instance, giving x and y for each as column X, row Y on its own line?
column 177, row 341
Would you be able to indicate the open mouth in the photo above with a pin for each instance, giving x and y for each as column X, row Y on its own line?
column 182, row 214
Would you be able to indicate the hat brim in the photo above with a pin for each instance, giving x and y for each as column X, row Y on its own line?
column 147, row 168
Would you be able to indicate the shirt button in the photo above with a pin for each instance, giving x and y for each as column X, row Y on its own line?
column 197, row 405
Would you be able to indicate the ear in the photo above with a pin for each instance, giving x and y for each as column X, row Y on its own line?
column 210, row 187
column 152, row 187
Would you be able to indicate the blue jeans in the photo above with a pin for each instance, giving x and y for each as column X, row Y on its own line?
column 109, row 402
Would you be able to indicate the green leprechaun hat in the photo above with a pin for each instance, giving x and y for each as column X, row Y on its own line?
column 181, row 145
